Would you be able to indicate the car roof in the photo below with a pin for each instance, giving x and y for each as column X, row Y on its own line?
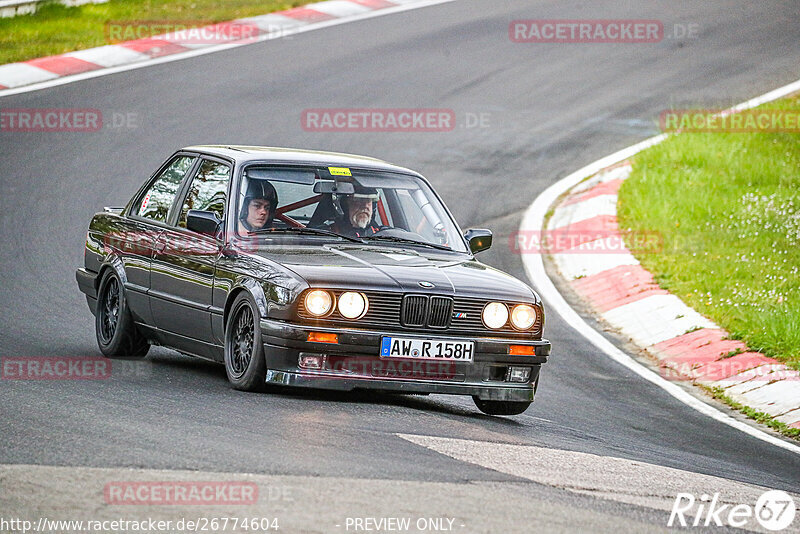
column 247, row 154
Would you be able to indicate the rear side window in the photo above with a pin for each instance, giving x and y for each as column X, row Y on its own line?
column 158, row 199
column 208, row 191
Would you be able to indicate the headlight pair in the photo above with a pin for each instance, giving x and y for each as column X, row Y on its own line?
column 495, row 316
column 350, row 304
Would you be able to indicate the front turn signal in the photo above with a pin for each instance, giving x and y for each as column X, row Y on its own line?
column 522, row 350
column 323, row 337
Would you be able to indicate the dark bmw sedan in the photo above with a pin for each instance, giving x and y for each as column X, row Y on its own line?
column 311, row 269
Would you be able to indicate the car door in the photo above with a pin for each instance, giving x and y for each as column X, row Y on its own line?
column 182, row 273
column 146, row 219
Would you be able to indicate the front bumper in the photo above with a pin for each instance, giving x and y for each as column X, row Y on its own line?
column 354, row 363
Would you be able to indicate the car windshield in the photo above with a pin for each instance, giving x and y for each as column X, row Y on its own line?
column 343, row 204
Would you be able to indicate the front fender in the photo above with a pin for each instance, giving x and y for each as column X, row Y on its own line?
column 255, row 290
column 242, row 283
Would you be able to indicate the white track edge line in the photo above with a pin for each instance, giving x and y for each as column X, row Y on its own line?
column 63, row 80
column 534, row 268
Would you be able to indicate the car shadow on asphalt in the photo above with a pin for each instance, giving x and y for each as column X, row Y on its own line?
column 166, row 358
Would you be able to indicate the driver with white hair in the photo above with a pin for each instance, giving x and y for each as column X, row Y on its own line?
column 358, row 211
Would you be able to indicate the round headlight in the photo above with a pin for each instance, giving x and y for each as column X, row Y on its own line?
column 495, row 315
column 319, row 302
column 352, row 305
column 523, row 316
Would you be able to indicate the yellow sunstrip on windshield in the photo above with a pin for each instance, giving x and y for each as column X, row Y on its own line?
column 339, row 171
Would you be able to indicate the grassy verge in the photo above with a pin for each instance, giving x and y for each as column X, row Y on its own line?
column 56, row 29
column 760, row 417
column 728, row 208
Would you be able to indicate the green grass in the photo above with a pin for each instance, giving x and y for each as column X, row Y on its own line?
column 760, row 417
column 728, row 208
column 55, row 29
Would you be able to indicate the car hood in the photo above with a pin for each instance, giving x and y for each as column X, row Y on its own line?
column 379, row 268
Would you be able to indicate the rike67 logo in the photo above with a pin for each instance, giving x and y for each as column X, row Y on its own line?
column 774, row 510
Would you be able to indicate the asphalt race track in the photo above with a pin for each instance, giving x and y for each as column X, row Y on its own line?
column 547, row 110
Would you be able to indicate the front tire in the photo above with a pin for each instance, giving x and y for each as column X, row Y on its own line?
column 501, row 407
column 117, row 335
column 244, row 351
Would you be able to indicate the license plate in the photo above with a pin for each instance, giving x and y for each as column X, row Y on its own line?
column 427, row 349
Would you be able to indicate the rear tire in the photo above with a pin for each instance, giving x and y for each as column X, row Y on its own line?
column 244, row 351
column 501, row 407
column 117, row 335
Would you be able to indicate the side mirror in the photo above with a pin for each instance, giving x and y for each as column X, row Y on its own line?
column 203, row 222
column 479, row 239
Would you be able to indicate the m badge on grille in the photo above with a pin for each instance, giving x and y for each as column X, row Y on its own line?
column 459, row 316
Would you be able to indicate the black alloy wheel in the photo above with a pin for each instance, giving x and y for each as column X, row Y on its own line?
column 117, row 335
column 244, row 352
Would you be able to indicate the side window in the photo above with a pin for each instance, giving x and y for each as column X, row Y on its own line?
column 208, row 191
column 157, row 200
column 418, row 221
column 414, row 215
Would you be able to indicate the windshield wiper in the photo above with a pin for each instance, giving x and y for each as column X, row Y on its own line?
column 306, row 230
column 410, row 241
